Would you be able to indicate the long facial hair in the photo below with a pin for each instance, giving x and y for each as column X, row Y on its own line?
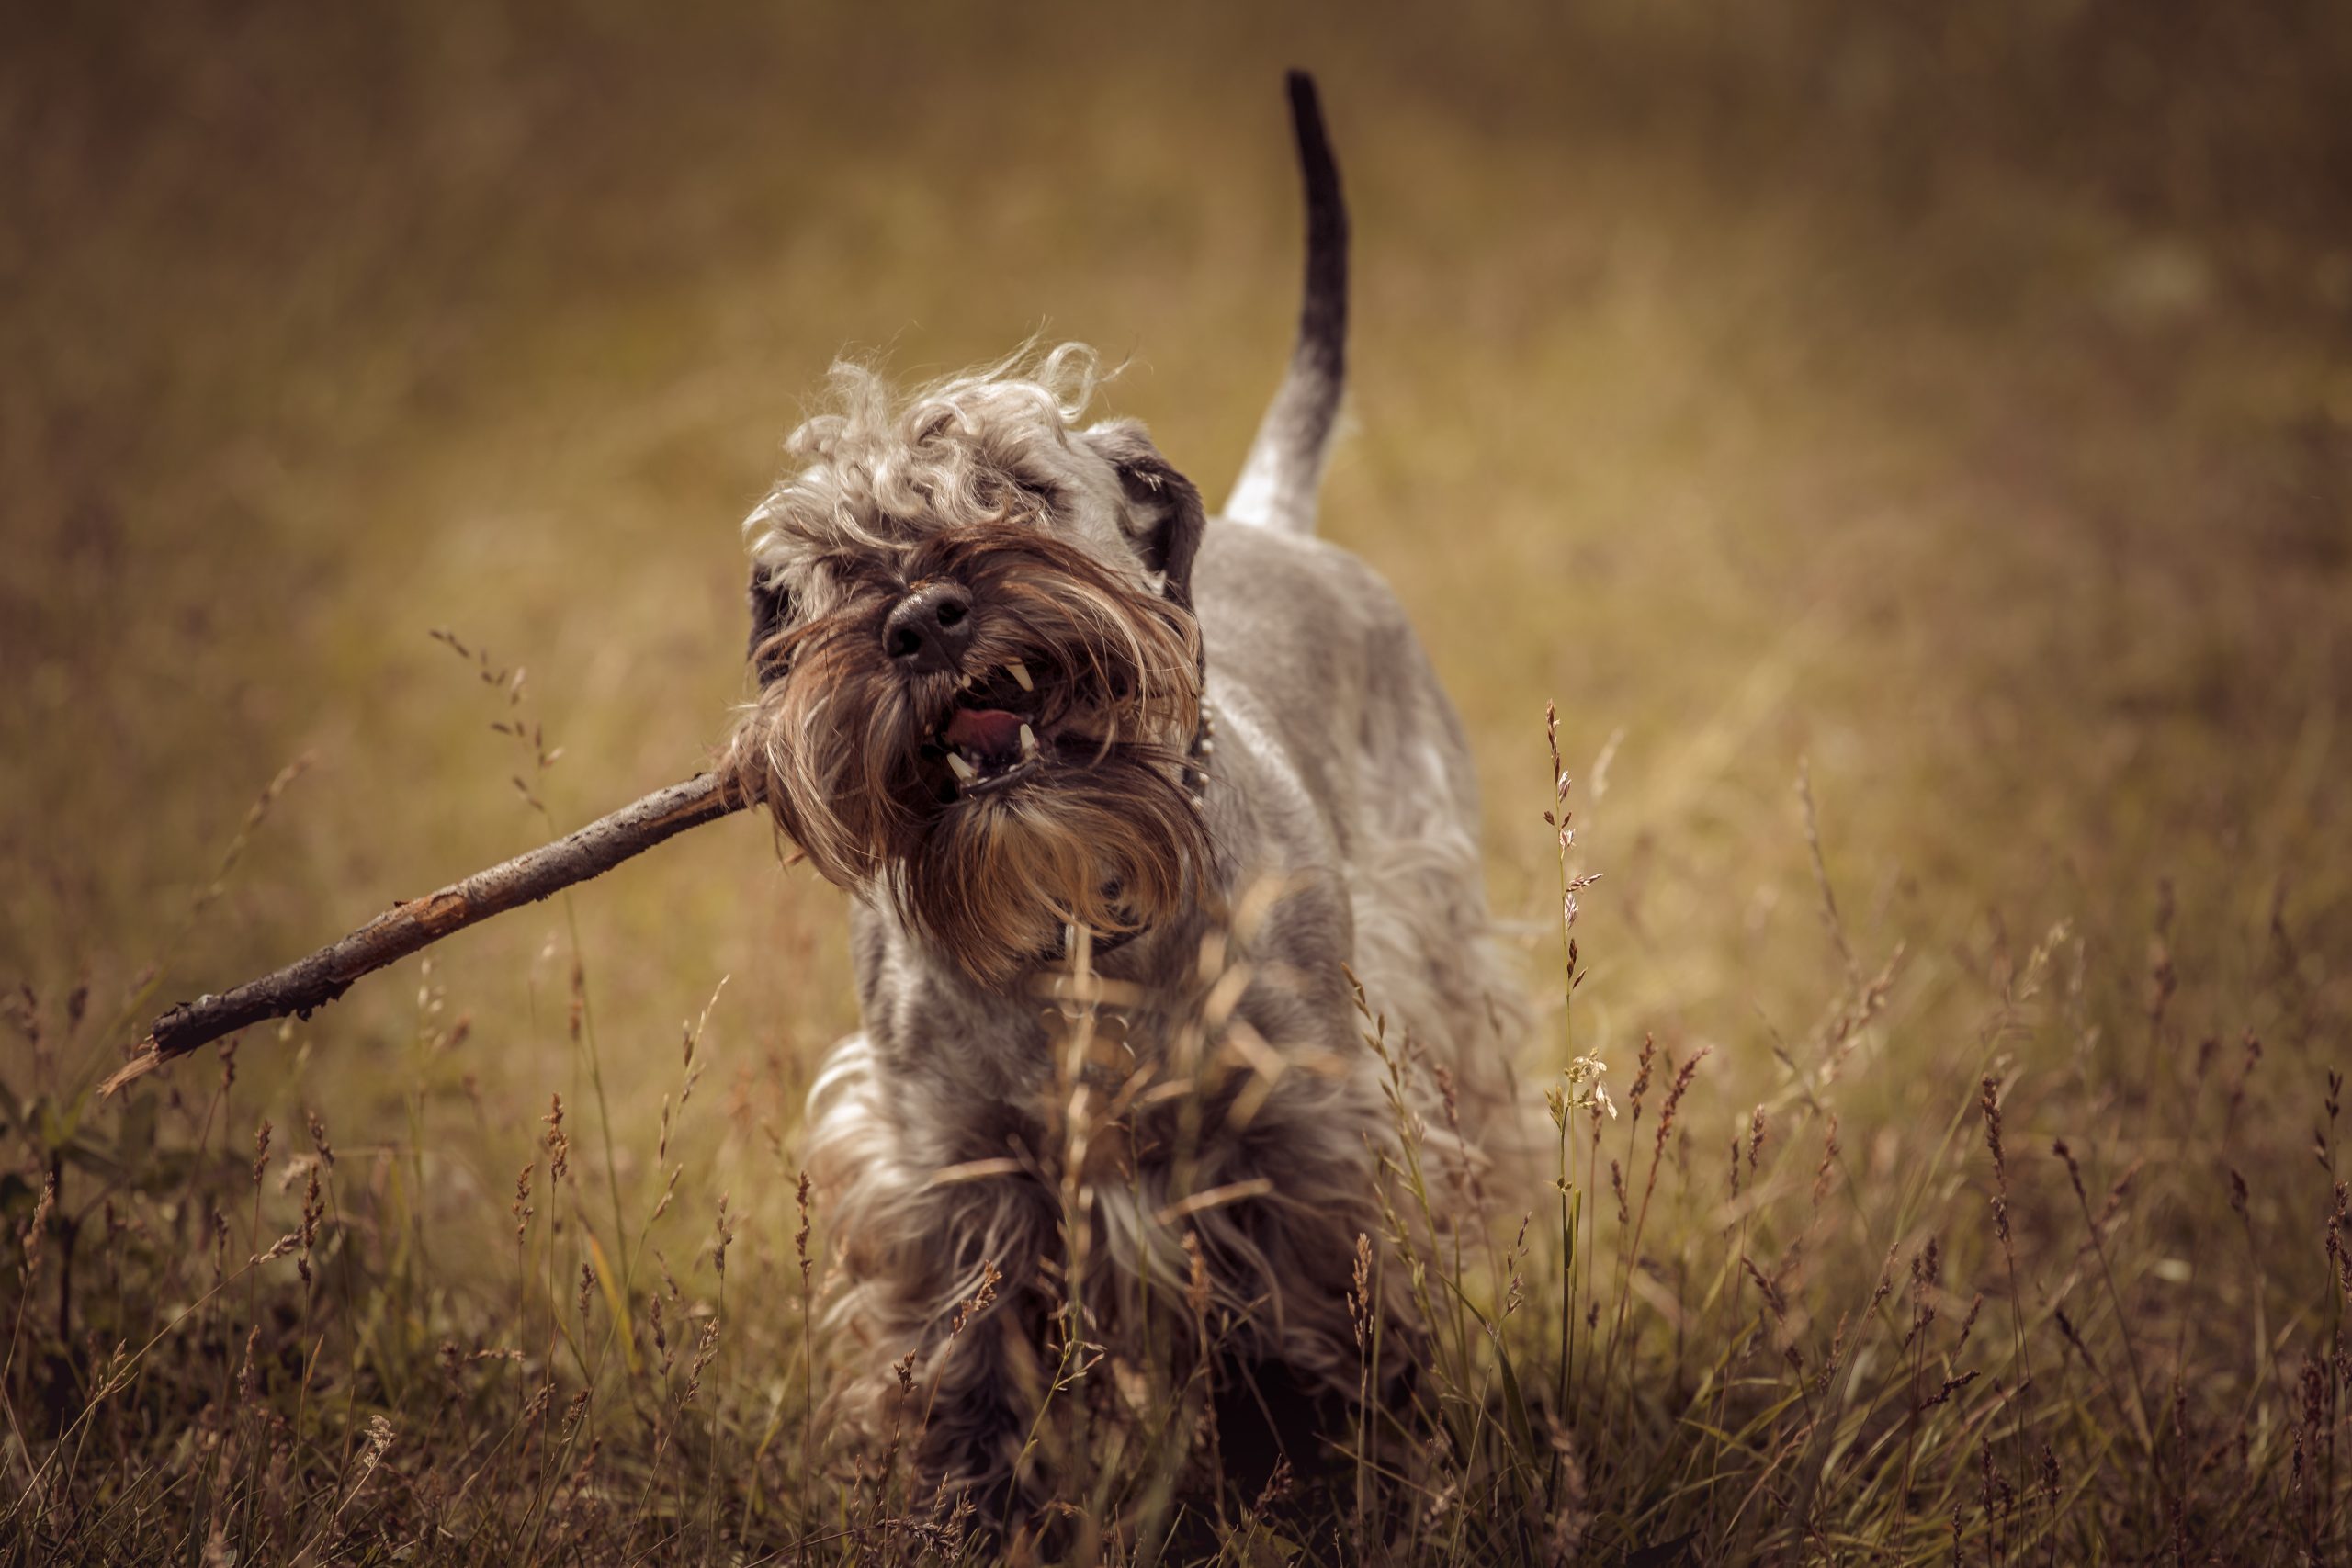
column 841, row 746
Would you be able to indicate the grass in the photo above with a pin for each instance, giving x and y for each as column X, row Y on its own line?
column 1914, row 452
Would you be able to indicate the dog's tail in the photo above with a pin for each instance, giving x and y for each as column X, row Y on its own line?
column 1278, row 484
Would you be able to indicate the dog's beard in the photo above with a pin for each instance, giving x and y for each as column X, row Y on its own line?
column 1089, row 823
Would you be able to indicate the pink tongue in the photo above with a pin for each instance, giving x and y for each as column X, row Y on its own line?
column 991, row 731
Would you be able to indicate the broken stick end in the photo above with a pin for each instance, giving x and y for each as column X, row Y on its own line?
column 150, row 1057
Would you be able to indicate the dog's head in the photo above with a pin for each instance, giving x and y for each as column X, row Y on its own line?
column 979, row 672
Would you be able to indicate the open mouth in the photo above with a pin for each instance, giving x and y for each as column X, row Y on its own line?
column 997, row 733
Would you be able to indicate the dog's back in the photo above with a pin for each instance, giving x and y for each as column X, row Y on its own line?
column 1324, row 689
column 1312, row 646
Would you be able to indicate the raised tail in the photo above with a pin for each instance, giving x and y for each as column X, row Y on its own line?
column 1278, row 484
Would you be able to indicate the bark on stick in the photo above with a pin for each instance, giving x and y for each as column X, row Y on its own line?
column 311, row 983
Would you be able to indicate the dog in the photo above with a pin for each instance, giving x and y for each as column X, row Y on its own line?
column 1161, row 842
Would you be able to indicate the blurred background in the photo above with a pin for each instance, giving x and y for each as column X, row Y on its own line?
column 1955, row 400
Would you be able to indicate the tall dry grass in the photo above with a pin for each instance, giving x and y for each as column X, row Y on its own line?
column 2056, row 1319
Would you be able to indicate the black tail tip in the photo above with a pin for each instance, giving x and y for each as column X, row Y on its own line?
column 1322, row 170
column 1305, row 104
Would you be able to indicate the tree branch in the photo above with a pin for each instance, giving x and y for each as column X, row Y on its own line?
column 311, row 983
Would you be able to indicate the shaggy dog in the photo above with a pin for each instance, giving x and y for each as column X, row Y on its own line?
column 1161, row 843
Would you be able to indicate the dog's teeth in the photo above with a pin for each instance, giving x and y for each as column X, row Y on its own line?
column 1028, row 741
column 1021, row 675
column 965, row 772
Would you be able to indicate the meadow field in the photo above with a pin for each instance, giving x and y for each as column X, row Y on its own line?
column 1911, row 445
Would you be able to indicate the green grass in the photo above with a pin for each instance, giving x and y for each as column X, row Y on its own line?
column 1950, row 411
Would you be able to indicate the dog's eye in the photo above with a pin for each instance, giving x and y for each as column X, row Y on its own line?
column 1039, row 497
column 771, row 611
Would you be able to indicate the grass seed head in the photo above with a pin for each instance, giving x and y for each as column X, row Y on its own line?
column 559, row 1143
column 521, row 1208
column 1674, row 1093
column 801, row 1236
column 29, row 1240
column 1359, row 1310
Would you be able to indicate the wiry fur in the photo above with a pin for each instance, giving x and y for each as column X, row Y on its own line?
column 1219, row 1087
column 834, row 745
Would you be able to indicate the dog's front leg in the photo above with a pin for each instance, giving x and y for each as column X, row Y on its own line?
column 959, row 1291
column 982, row 1392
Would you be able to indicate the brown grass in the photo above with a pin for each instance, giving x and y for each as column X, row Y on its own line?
column 1923, row 437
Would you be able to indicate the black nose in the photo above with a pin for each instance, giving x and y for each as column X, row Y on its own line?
column 930, row 628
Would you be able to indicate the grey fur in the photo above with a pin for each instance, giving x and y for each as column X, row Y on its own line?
column 1340, row 774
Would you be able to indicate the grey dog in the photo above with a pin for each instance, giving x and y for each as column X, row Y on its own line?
column 1129, row 801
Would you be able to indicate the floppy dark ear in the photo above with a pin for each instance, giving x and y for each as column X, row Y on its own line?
column 770, row 608
column 1165, row 514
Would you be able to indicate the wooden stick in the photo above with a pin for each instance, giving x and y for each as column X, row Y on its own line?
column 311, row 983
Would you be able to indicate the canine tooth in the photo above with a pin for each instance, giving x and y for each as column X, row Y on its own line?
column 1021, row 675
column 965, row 772
column 1028, row 741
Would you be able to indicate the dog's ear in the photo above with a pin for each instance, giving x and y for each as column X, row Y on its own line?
column 771, row 609
column 1165, row 515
